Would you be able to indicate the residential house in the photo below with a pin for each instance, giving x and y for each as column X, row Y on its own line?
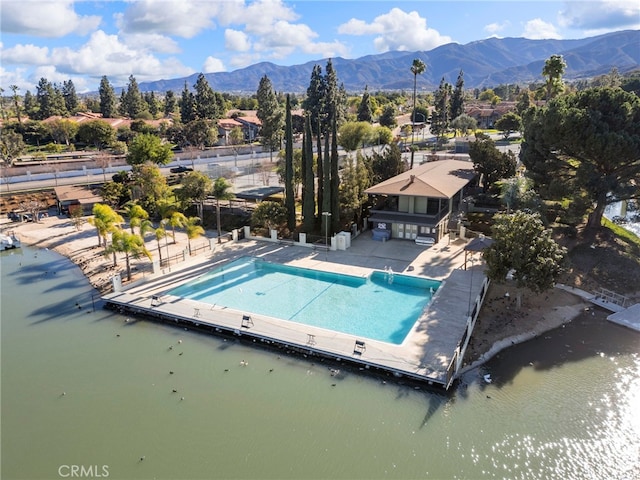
column 419, row 203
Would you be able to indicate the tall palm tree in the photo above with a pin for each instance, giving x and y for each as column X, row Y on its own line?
column 176, row 219
column 193, row 230
column 130, row 244
column 220, row 191
column 417, row 68
column 160, row 233
column 105, row 219
column 136, row 215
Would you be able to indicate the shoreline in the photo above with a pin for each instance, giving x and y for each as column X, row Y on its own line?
column 499, row 324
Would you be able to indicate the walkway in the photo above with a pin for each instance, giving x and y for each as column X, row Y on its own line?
column 425, row 355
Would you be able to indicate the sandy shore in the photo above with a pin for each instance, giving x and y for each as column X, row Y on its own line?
column 500, row 324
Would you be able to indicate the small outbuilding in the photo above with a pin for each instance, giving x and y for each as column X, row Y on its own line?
column 70, row 195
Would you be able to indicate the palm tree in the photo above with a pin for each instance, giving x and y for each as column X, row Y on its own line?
column 105, row 220
column 176, row 219
column 220, row 191
column 193, row 230
column 160, row 233
column 417, row 68
column 136, row 215
column 130, row 244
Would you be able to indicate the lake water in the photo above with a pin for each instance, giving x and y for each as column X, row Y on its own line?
column 88, row 390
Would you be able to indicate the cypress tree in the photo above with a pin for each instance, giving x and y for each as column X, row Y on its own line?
column 107, row 98
column 319, row 169
column 309, row 198
column 335, row 179
column 289, row 198
column 326, row 185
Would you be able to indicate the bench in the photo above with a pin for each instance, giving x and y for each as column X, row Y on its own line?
column 426, row 241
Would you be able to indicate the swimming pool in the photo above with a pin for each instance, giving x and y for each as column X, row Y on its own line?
column 383, row 306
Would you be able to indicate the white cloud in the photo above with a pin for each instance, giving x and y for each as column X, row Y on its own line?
column 45, row 18
column 167, row 17
column 151, row 42
column 244, row 60
column 495, row 28
column 212, row 65
column 106, row 55
column 606, row 15
column 236, row 41
column 397, row 30
column 25, row 55
column 538, row 29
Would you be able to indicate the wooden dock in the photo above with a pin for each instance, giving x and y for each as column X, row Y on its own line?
column 431, row 353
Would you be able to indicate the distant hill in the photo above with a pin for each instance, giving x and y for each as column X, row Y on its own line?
column 485, row 63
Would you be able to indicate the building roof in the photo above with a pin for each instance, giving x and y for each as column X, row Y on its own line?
column 440, row 179
column 72, row 193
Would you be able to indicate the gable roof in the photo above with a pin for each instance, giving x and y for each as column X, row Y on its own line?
column 439, row 179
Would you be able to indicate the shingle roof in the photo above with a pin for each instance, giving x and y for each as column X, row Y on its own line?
column 440, row 179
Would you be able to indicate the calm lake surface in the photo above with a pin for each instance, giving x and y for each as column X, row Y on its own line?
column 88, row 389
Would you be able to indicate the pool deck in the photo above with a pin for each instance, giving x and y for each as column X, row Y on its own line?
column 426, row 354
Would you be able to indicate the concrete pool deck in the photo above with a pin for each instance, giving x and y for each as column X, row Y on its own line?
column 431, row 352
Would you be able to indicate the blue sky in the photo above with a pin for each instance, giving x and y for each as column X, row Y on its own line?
column 155, row 39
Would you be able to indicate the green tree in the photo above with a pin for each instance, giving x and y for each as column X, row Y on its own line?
column 49, row 101
column 136, row 215
column 308, row 196
column 270, row 114
column 193, row 230
column 335, row 179
column 71, row 101
column 354, row 181
column 174, row 219
column 417, row 68
column 523, row 246
column 509, row 122
column 270, row 215
column 194, row 188
column 364, row 110
column 148, row 186
column 130, row 244
column 108, row 99
column 97, row 133
column 146, row 147
column 386, row 165
column 517, row 193
column 221, row 191
column 289, row 196
column 199, row 133
column 187, row 105
column 464, row 123
column 326, row 185
column 380, row 136
column 105, row 219
column 457, row 98
column 170, row 103
column 16, row 103
column 353, row 134
column 553, row 70
column 11, row 145
column 63, row 130
column 133, row 104
column 586, row 143
column 491, row 163
column 388, row 117
column 313, row 104
column 205, row 100
column 441, row 118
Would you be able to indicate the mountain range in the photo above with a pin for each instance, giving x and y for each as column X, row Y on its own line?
column 484, row 63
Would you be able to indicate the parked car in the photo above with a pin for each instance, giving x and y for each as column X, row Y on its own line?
column 181, row 169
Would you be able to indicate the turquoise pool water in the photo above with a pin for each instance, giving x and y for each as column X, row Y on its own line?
column 381, row 307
